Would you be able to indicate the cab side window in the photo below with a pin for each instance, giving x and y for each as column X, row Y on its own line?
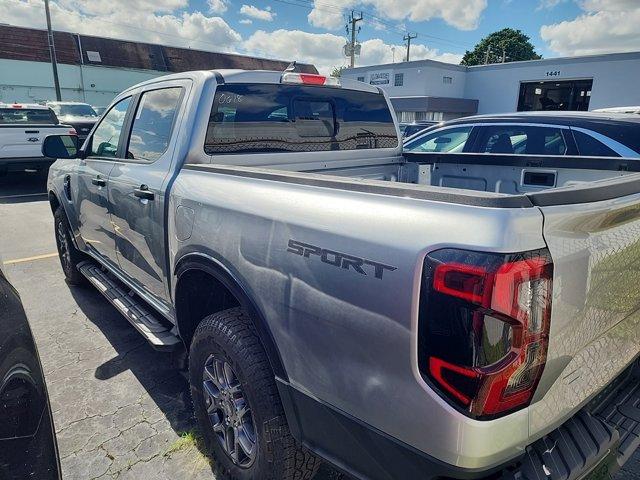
column 521, row 140
column 153, row 123
column 104, row 142
column 590, row 147
column 450, row 140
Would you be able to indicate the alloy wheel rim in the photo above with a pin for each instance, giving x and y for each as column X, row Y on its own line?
column 63, row 246
column 229, row 412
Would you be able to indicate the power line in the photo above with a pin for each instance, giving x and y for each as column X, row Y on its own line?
column 331, row 8
column 136, row 27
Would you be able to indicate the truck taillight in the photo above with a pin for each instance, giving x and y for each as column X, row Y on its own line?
column 309, row 79
column 484, row 327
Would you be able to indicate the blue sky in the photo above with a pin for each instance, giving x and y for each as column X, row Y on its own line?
column 313, row 30
column 526, row 15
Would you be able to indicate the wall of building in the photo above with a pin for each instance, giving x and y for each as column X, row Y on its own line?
column 24, row 81
column 614, row 80
column 420, row 78
column 497, row 86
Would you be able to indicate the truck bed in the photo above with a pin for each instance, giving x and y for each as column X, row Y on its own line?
column 591, row 228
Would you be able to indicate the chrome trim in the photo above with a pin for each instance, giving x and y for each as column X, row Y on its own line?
column 483, row 124
column 619, row 148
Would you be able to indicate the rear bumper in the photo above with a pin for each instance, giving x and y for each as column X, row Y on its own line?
column 600, row 438
column 20, row 163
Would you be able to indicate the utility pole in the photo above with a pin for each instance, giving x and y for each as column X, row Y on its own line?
column 504, row 53
column 486, row 57
column 353, row 21
column 52, row 52
column 407, row 38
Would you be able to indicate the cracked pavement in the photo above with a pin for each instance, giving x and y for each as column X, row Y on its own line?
column 119, row 406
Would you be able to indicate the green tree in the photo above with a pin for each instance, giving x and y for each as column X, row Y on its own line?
column 513, row 44
column 337, row 71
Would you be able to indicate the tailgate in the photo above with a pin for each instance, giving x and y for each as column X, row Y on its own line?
column 25, row 140
column 595, row 322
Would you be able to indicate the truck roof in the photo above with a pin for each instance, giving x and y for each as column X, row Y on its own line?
column 250, row 76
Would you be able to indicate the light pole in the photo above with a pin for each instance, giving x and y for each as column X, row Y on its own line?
column 52, row 52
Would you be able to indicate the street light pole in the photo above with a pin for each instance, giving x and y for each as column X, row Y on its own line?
column 52, row 52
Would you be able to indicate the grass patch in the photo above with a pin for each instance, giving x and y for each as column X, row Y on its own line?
column 189, row 441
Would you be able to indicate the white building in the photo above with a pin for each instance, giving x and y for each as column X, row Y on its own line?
column 430, row 90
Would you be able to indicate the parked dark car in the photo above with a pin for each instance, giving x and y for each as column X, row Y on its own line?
column 28, row 447
column 536, row 133
column 80, row 116
column 409, row 129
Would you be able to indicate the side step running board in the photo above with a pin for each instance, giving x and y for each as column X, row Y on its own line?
column 131, row 307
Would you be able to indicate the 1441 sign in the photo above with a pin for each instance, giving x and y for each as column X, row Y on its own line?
column 553, row 73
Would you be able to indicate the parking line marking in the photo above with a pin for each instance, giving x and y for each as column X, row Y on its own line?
column 24, row 195
column 30, row 259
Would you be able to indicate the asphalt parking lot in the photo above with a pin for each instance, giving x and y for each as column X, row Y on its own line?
column 120, row 408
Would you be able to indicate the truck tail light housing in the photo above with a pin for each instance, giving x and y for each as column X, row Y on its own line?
column 484, row 327
column 309, row 79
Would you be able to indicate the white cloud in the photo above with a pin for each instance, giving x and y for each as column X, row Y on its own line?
column 605, row 26
column 462, row 14
column 254, row 12
column 217, row 6
column 549, row 4
column 246, row 21
column 157, row 24
column 324, row 50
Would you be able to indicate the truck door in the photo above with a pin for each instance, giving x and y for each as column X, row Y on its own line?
column 137, row 185
column 91, row 200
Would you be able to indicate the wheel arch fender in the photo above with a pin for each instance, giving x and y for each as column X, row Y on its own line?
column 211, row 264
column 57, row 200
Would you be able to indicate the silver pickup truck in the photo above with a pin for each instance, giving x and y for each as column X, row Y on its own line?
column 332, row 300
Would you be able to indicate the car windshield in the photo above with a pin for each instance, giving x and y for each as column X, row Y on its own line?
column 27, row 115
column 75, row 110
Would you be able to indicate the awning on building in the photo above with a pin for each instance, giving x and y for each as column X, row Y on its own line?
column 435, row 104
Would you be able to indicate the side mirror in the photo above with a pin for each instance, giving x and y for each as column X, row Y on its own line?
column 60, row 146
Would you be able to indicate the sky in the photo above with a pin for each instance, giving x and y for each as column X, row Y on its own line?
column 313, row 31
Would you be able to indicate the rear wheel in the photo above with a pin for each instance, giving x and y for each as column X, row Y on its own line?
column 237, row 405
column 69, row 255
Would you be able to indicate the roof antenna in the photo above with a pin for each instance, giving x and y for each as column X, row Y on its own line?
column 293, row 67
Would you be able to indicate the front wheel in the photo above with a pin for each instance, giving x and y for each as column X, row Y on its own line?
column 69, row 255
column 237, row 405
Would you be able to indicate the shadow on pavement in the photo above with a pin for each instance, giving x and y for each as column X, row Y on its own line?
column 156, row 371
column 20, row 187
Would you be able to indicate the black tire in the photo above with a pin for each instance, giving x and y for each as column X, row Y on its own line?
column 230, row 337
column 69, row 255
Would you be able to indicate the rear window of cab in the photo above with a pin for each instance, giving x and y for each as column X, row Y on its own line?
column 27, row 115
column 253, row 118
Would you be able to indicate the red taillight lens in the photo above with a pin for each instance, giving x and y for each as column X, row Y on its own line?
column 484, row 327
column 309, row 79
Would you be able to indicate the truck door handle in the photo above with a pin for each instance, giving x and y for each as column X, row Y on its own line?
column 144, row 193
column 99, row 181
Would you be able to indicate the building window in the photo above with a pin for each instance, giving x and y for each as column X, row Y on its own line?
column 360, row 79
column 555, row 95
column 447, row 80
column 399, row 80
